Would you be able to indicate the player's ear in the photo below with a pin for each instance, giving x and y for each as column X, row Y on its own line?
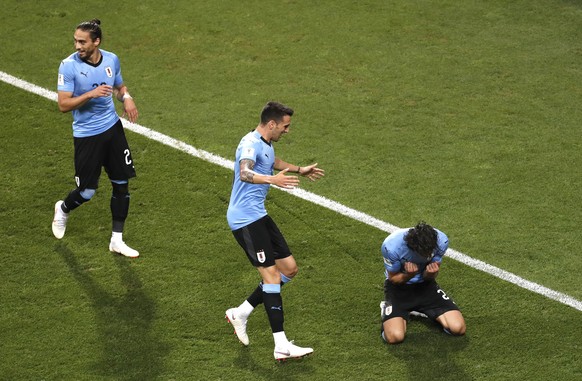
column 97, row 41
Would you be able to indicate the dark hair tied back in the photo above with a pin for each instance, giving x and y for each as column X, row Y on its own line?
column 93, row 27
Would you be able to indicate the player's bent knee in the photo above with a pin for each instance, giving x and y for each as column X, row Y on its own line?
column 453, row 322
column 457, row 328
column 292, row 272
column 394, row 337
column 87, row 194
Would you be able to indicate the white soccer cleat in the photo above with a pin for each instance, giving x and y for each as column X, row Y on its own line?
column 59, row 221
column 239, row 324
column 121, row 247
column 291, row 351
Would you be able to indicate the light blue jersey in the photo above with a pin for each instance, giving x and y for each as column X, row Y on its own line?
column 79, row 77
column 247, row 201
column 396, row 253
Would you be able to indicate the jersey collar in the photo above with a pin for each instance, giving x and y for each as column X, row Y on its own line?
column 94, row 64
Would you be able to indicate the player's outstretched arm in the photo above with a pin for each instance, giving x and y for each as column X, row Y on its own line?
column 312, row 172
column 281, row 179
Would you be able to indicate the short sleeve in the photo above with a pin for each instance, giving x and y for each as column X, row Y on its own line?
column 118, row 78
column 66, row 78
column 248, row 151
column 391, row 261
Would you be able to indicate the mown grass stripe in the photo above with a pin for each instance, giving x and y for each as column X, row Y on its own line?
column 314, row 198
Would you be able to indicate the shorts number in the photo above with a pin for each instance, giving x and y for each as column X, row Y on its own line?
column 127, row 157
column 444, row 296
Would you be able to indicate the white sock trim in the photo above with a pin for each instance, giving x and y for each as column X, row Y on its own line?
column 245, row 309
column 280, row 339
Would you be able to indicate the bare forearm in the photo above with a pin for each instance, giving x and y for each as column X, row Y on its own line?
column 280, row 165
column 400, row 278
column 250, row 176
column 428, row 276
column 280, row 179
column 73, row 103
column 122, row 92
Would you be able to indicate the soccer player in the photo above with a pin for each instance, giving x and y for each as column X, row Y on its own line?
column 87, row 82
column 256, row 232
column 412, row 258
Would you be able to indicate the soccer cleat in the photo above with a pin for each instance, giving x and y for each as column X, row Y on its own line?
column 239, row 324
column 121, row 247
column 291, row 351
column 59, row 221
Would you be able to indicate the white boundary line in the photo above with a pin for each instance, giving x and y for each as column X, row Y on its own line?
column 311, row 197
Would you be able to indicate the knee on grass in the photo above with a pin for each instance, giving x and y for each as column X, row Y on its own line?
column 394, row 337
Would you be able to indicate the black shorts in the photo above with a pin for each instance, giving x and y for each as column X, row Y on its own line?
column 109, row 150
column 426, row 297
column 263, row 242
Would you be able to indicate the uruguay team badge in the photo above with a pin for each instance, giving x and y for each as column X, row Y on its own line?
column 261, row 256
column 109, row 72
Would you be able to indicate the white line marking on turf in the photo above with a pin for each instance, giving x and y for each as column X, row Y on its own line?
column 319, row 200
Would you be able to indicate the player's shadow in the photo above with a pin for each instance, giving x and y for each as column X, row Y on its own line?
column 130, row 351
column 430, row 353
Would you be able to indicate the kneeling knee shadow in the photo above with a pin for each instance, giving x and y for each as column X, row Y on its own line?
column 433, row 349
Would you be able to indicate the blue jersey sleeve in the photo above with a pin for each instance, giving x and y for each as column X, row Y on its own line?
column 248, row 151
column 392, row 262
column 117, row 66
column 66, row 79
column 442, row 246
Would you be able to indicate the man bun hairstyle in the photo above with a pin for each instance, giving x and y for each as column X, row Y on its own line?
column 422, row 239
column 275, row 111
column 93, row 27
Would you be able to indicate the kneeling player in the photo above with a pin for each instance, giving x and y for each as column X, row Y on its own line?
column 412, row 259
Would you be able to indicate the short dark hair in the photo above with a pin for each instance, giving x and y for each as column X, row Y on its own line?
column 422, row 239
column 275, row 111
column 93, row 27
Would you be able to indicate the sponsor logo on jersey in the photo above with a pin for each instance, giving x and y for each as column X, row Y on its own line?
column 109, row 72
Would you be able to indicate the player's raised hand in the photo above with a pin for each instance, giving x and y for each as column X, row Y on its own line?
column 283, row 180
column 432, row 268
column 312, row 172
column 410, row 267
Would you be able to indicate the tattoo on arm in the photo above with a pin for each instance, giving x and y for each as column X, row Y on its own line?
column 246, row 170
